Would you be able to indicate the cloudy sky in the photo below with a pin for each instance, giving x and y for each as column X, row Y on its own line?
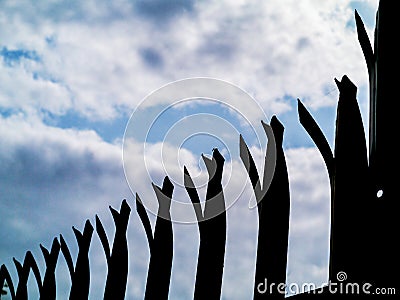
column 73, row 73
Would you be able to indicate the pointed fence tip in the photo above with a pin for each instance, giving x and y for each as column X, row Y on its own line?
column 155, row 186
column 125, row 207
column 337, row 82
column 185, row 170
column 139, row 203
column 244, row 150
column 241, row 140
column 275, row 123
column 301, row 111
column 299, row 101
column 359, row 22
column 274, row 119
column 217, row 155
column 205, row 158
column 98, row 222
column 167, row 181
column 300, row 105
column 56, row 244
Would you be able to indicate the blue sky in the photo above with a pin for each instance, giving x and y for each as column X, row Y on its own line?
column 72, row 73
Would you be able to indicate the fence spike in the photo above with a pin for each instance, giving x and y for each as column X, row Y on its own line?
column 212, row 228
column 161, row 248
column 145, row 220
column 270, row 156
column 273, row 210
column 49, row 281
column 81, row 275
column 350, row 189
column 251, row 169
column 23, row 271
column 67, row 256
column 118, row 263
column 193, row 195
column 103, row 238
column 315, row 132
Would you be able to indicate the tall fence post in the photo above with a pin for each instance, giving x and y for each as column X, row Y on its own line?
column 80, row 275
column 49, row 281
column 117, row 260
column 273, row 203
column 160, row 243
column 212, row 228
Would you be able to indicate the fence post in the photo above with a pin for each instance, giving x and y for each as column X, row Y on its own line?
column 212, row 228
column 23, row 271
column 273, row 203
column 49, row 280
column 117, row 261
column 160, row 243
column 80, row 276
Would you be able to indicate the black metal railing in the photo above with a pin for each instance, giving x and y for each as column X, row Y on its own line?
column 364, row 209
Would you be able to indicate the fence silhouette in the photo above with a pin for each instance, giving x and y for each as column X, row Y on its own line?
column 364, row 209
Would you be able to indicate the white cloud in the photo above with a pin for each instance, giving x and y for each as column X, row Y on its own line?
column 104, row 57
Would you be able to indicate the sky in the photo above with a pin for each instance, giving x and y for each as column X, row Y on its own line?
column 86, row 112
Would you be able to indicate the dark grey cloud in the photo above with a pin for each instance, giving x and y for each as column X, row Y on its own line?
column 49, row 184
column 163, row 10
column 151, row 58
column 219, row 47
column 52, row 165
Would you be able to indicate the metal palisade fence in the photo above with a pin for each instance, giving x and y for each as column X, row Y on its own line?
column 364, row 208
